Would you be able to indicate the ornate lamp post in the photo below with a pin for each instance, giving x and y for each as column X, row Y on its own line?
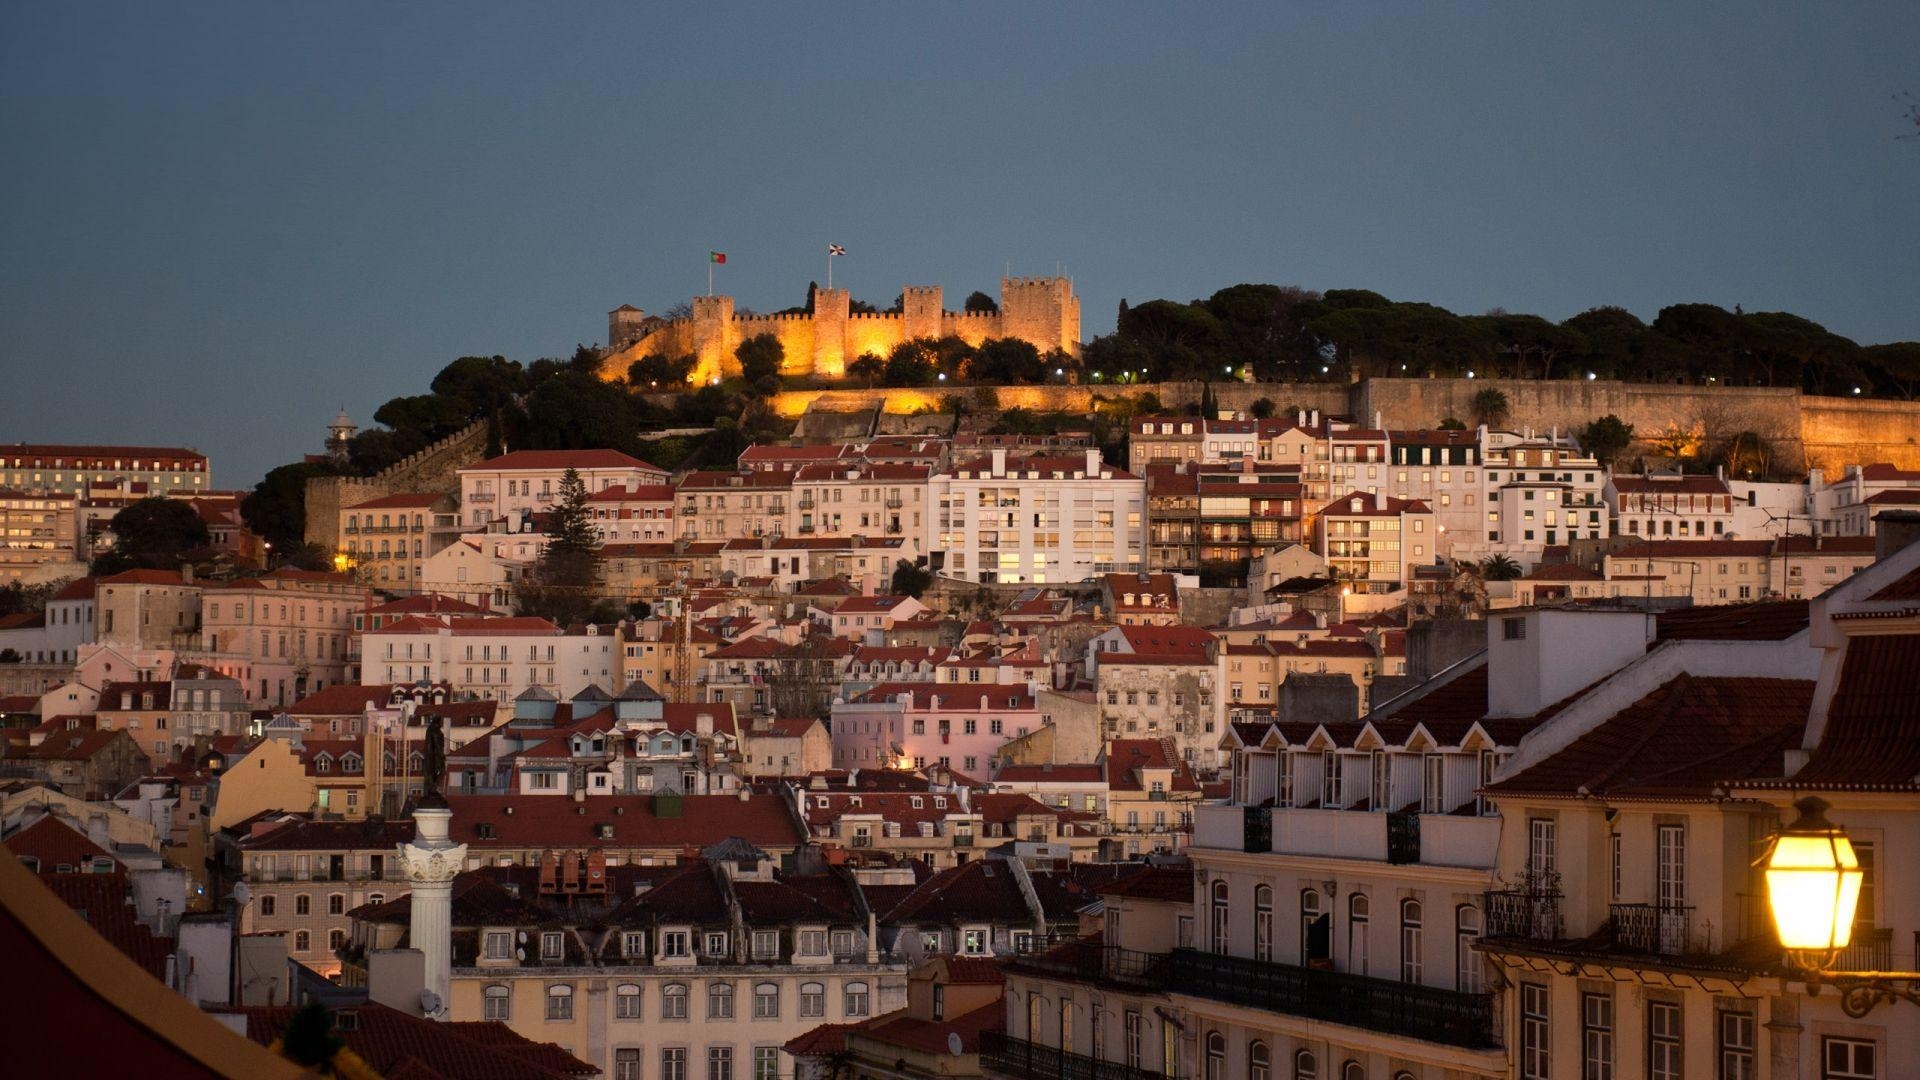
column 1813, row 888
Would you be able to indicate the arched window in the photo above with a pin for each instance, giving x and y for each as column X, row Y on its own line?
column 1216, row 1056
column 560, row 1002
column 1033, row 1017
column 497, row 1003
column 673, row 1001
column 719, row 1000
column 1066, row 1025
column 1316, row 929
column 813, row 1000
column 1263, row 923
column 1259, row 1061
column 1403, row 1075
column 1305, row 1066
column 855, row 1000
column 766, row 1001
column 1358, row 909
column 1410, row 941
column 1353, row 1070
column 626, row 1001
column 302, row 941
column 1219, row 923
column 1466, row 926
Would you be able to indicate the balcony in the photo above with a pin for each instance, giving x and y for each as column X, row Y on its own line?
column 1008, row 1056
column 894, row 504
column 1079, row 958
column 1420, row 1012
column 1870, row 950
column 1661, row 929
column 1524, row 914
column 1403, row 838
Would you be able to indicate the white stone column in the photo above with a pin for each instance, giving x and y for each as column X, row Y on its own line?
column 432, row 861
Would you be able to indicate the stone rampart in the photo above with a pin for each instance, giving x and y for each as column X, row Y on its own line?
column 435, row 468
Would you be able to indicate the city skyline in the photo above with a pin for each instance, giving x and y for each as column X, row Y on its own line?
column 221, row 202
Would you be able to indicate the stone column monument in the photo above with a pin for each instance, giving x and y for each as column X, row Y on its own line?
column 432, row 860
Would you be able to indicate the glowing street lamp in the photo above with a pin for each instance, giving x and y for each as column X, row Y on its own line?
column 1813, row 882
column 1813, row 889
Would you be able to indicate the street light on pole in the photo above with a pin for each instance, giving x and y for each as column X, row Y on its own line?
column 1813, row 889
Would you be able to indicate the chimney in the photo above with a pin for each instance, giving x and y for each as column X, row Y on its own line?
column 999, row 461
column 1093, row 462
column 1315, row 417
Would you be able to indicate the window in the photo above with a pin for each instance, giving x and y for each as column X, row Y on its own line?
column 1316, row 940
column 633, row 944
column 1863, row 912
column 1216, row 1056
column 1219, row 918
column 854, row 999
column 626, row 1002
column 1134, row 1037
column 1353, row 1070
column 1663, row 1040
column 766, row 1063
column 1671, row 877
column 1513, row 629
column 1263, row 923
column 719, row 1063
column 266, row 906
column 673, row 943
column 303, row 904
column 553, row 945
column 1736, row 1037
column 1305, row 1066
column 1066, row 1026
column 1596, row 1037
column 813, row 1000
column 1358, row 908
column 673, row 1063
column 1466, row 971
column 1846, row 1059
column 766, row 1001
column 719, row 1000
column 1410, row 941
column 496, row 1003
column 673, row 1001
column 626, row 1064
column 302, row 941
column 1541, row 842
column 560, row 1002
column 1259, row 1061
column 1533, row 1032
column 1433, row 791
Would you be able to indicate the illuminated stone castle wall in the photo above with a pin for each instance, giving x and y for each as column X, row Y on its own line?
column 1042, row 311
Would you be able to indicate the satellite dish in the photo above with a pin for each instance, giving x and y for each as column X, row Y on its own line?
column 430, row 1003
column 954, row 1046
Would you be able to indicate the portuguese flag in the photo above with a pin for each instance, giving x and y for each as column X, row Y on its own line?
column 719, row 257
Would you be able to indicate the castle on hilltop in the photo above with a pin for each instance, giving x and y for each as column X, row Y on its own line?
column 1042, row 311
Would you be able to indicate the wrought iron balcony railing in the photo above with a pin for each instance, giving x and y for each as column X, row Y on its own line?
column 1663, row 929
column 1421, row 1012
column 1523, row 913
column 1008, row 1056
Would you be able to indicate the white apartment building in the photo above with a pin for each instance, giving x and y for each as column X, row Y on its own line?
column 861, row 498
column 490, row 658
column 1846, row 504
column 1044, row 518
column 1670, row 506
column 627, row 515
column 526, row 482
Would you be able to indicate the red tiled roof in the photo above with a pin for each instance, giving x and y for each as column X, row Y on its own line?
column 931, row 1036
column 1826, row 545
column 144, row 577
column 1694, row 549
column 395, row 1044
column 1164, row 640
column 1690, row 484
column 1905, row 587
column 1126, row 757
column 1879, row 470
column 1767, row 620
column 953, row 697
column 1562, row 572
column 1871, row 741
column 823, row 1041
column 1173, row 884
column 55, row 844
column 552, row 821
column 563, row 459
column 80, row 588
column 102, row 899
column 1681, row 741
column 426, row 604
column 1059, row 774
column 100, row 450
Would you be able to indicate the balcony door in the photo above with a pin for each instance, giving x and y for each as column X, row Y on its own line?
column 1316, row 931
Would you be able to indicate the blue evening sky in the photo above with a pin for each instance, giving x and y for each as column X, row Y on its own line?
column 222, row 222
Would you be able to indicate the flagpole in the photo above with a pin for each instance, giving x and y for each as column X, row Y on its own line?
column 709, row 273
column 829, row 267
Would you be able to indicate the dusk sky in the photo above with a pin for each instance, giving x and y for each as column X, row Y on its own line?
column 221, row 223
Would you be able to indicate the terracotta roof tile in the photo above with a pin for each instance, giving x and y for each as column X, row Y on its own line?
column 1872, row 736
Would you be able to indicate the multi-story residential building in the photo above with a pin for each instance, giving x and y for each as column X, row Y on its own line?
column 1373, row 542
column 38, row 537
column 1173, row 441
column 73, row 469
column 467, row 571
column 779, row 563
column 705, row 968
column 1445, row 469
column 85, row 762
column 389, row 539
column 1040, row 518
column 517, row 485
column 490, row 658
column 953, row 1010
column 1632, row 926
column 1151, row 795
column 1254, row 672
column 1733, row 571
column 1142, row 599
column 304, row 876
column 857, row 616
column 862, row 498
column 284, row 634
column 770, row 676
column 715, row 506
column 1846, row 505
column 1540, row 492
column 1162, row 684
column 913, row 724
column 53, row 638
column 1670, row 506
column 145, row 609
column 171, row 718
column 632, row 514
column 1213, row 518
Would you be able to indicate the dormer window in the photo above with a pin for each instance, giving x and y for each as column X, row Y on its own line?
column 918, row 802
column 939, row 802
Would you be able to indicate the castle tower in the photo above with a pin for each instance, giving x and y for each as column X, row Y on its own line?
column 623, row 326
column 830, row 308
column 1043, row 311
column 714, row 338
column 431, row 863
column 920, row 311
column 340, row 433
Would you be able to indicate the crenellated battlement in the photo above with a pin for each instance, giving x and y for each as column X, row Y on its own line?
column 1042, row 311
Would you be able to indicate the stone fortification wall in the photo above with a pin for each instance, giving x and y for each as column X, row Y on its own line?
column 1837, row 432
column 1043, row 311
column 436, row 468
